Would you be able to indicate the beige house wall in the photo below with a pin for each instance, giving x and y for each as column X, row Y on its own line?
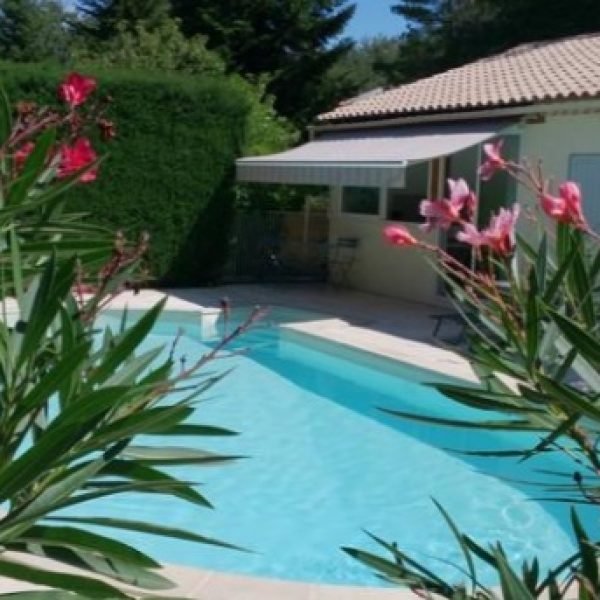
column 554, row 141
column 380, row 268
column 404, row 273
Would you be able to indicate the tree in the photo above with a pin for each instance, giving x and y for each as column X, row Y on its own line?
column 103, row 18
column 33, row 30
column 364, row 67
column 446, row 33
column 162, row 48
column 291, row 42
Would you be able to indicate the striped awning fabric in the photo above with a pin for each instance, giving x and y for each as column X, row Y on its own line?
column 366, row 157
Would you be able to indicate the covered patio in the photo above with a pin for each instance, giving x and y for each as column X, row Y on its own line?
column 378, row 176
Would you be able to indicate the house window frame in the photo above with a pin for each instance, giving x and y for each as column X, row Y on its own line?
column 570, row 175
column 435, row 173
column 360, row 216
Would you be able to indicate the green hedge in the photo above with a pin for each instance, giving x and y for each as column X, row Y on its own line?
column 170, row 171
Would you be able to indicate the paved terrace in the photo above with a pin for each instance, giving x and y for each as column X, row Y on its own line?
column 390, row 329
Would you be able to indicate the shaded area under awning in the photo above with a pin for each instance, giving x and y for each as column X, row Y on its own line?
column 366, row 157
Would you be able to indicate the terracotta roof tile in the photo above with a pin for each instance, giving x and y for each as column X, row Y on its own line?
column 554, row 70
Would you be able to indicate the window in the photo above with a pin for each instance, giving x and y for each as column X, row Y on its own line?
column 501, row 190
column 360, row 200
column 403, row 203
column 585, row 170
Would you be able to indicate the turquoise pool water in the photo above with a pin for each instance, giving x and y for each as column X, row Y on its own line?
column 325, row 464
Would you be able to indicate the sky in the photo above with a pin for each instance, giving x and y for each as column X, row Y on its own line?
column 373, row 17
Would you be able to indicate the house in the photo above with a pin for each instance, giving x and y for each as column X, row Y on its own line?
column 381, row 153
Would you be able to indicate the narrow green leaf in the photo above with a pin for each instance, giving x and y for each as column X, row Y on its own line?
column 91, row 588
column 558, row 279
column 582, row 288
column 572, row 400
column 563, row 242
column 541, row 262
column 137, row 424
column 579, row 338
column 166, row 455
column 17, row 273
column 512, row 587
column 188, row 429
column 54, row 285
column 66, row 430
column 5, row 117
column 128, row 373
column 150, row 528
column 53, row 380
column 126, row 345
column 461, row 542
column 79, row 539
column 32, row 169
column 51, row 496
column 532, row 320
column 512, row 425
column 589, row 556
column 136, row 471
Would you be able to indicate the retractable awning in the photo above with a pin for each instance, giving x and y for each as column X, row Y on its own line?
column 366, row 157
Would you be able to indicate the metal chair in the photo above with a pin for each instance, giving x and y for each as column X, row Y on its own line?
column 342, row 257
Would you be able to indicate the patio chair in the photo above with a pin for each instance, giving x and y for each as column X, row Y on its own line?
column 342, row 257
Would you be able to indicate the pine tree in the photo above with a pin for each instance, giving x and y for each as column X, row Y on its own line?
column 446, row 33
column 292, row 43
column 103, row 18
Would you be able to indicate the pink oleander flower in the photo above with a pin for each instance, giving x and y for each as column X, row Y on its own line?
column 461, row 196
column 445, row 212
column 499, row 235
column 399, row 236
column 566, row 207
column 440, row 213
column 75, row 89
column 501, row 230
column 22, row 153
column 76, row 157
column 494, row 161
column 472, row 236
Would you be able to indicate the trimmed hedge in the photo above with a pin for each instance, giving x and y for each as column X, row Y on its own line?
column 170, row 170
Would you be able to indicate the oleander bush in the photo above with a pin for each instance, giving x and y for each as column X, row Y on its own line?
column 76, row 396
column 531, row 308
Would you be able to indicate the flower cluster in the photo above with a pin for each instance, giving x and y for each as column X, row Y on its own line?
column 74, row 156
column 498, row 237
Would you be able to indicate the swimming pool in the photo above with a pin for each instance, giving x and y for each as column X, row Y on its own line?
column 324, row 464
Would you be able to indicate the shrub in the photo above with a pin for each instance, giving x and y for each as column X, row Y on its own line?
column 532, row 314
column 170, row 171
column 78, row 398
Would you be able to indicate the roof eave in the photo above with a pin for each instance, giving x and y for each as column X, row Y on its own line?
column 431, row 116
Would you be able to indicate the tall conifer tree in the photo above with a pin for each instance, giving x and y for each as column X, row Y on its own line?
column 441, row 34
column 102, row 17
column 292, row 42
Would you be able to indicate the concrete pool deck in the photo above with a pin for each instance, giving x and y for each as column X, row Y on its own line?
column 388, row 328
